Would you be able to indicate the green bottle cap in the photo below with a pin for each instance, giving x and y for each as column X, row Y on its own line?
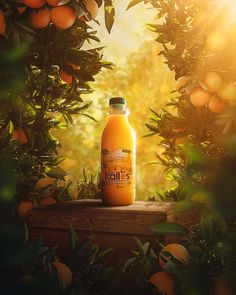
column 117, row 100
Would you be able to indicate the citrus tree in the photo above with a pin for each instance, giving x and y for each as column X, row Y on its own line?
column 198, row 49
column 44, row 70
column 197, row 131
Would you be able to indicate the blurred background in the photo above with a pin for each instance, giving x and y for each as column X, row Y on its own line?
column 142, row 78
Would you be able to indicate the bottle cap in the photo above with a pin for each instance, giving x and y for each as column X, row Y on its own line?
column 117, row 100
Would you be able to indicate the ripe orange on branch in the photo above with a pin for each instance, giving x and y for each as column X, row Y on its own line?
column 212, row 81
column 43, row 182
column 178, row 251
column 216, row 104
column 40, row 18
column 63, row 17
column 164, row 282
column 23, row 208
column 66, row 77
column 181, row 140
column 2, row 23
column 64, row 274
column 34, row 3
column 19, row 135
column 199, row 97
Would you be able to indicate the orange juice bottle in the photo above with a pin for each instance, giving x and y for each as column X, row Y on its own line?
column 118, row 156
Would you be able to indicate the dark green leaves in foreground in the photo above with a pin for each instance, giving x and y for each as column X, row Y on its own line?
column 169, row 228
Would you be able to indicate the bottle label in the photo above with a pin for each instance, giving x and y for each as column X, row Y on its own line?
column 117, row 167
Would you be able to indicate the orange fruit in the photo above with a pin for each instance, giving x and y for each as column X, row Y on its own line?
column 212, row 81
column 164, row 282
column 19, row 134
column 66, row 77
column 23, row 209
column 221, row 288
column 181, row 81
column 40, row 18
column 34, row 3
column 64, row 274
column 43, row 182
column 199, row 97
column 178, row 251
column 21, row 9
column 2, row 23
column 181, row 140
column 179, row 129
column 216, row 104
column 47, row 201
column 92, row 7
column 63, row 17
column 53, row 2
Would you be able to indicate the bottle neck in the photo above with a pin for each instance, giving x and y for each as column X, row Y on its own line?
column 117, row 109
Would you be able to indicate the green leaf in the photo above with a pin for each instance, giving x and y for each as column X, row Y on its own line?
column 109, row 15
column 169, row 228
column 151, row 27
column 102, row 255
column 56, row 172
column 133, row 3
column 73, row 238
column 139, row 246
column 6, row 133
column 89, row 116
column 83, row 245
column 145, row 247
column 149, row 134
column 128, row 263
column 93, row 252
column 60, row 159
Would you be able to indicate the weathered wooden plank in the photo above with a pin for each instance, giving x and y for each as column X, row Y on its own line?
column 134, row 219
column 113, row 227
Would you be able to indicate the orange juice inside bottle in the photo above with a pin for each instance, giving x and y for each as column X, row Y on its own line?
column 118, row 156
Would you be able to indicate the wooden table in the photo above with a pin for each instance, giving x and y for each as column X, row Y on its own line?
column 113, row 227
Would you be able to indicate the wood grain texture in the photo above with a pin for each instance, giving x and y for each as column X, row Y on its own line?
column 113, row 227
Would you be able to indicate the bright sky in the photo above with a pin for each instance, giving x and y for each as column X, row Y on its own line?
column 129, row 30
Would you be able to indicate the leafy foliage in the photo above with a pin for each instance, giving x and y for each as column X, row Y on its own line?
column 192, row 135
column 34, row 100
column 198, row 143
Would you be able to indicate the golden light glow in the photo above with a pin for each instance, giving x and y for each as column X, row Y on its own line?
column 128, row 32
column 216, row 41
column 229, row 6
column 229, row 3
